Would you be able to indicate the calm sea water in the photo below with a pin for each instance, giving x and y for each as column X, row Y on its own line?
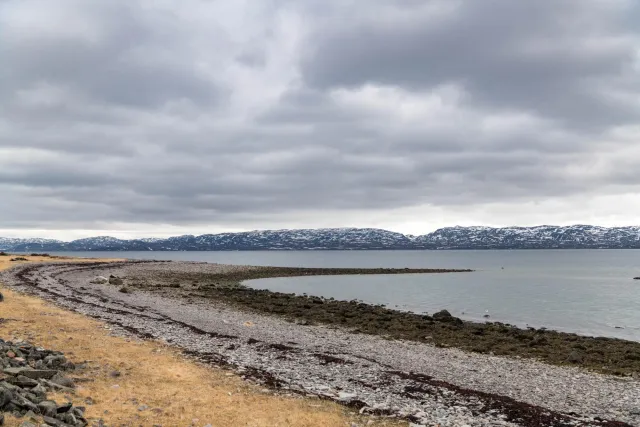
column 590, row 292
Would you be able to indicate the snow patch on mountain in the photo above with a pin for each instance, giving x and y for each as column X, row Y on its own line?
column 540, row 237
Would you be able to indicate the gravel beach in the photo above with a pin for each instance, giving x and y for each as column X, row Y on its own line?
column 418, row 381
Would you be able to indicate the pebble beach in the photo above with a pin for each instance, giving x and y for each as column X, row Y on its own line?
column 376, row 374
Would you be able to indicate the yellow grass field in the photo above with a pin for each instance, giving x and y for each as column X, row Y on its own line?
column 177, row 391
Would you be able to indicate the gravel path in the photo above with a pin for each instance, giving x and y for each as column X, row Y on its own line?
column 425, row 384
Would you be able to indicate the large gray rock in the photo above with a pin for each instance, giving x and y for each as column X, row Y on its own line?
column 63, row 381
column 15, row 371
column 37, row 374
column 445, row 316
column 5, row 396
column 48, row 408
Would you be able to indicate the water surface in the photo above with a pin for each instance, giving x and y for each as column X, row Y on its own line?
column 585, row 291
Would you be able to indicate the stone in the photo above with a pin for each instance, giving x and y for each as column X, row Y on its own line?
column 39, row 391
column 31, row 416
column 442, row 314
column 55, row 360
column 1, row 419
column 575, row 357
column 70, row 419
column 116, row 281
column 445, row 316
column 28, row 424
column 61, row 409
column 23, row 402
column 346, row 396
column 53, row 421
column 48, row 408
column 100, row 280
column 125, row 290
column 63, row 381
column 23, row 381
column 6, row 396
column 1, row 299
column 15, row 371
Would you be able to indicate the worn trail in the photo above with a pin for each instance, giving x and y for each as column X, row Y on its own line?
column 418, row 381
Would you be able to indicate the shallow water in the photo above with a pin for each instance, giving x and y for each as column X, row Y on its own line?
column 585, row 291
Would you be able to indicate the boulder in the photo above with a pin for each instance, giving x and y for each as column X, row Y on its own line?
column 100, row 280
column 6, row 396
column 48, row 408
column 442, row 315
column 62, row 381
column 63, row 409
column 445, row 316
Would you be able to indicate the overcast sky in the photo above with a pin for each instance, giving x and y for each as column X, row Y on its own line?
column 162, row 117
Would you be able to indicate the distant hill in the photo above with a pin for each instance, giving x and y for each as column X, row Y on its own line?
column 542, row 237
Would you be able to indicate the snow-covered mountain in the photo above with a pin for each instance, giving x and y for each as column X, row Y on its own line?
column 542, row 237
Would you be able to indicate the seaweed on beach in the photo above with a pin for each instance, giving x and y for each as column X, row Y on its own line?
column 606, row 355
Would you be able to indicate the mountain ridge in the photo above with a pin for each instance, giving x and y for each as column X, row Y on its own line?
column 474, row 237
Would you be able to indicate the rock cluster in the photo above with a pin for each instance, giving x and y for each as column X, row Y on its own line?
column 28, row 373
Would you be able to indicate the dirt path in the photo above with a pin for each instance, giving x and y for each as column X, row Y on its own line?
column 127, row 374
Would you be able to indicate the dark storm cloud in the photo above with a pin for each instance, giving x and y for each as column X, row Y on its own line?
column 209, row 113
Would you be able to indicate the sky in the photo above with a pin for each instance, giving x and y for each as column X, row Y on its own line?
column 163, row 117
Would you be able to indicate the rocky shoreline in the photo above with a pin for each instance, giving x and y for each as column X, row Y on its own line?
column 224, row 284
column 422, row 382
column 28, row 374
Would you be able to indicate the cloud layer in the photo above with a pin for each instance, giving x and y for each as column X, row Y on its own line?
column 207, row 116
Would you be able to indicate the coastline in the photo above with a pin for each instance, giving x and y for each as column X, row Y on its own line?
column 224, row 284
column 325, row 359
column 144, row 364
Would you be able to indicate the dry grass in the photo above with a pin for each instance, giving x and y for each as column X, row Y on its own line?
column 178, row 392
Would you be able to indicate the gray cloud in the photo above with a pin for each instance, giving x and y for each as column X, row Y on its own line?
column 209, row 115
column 557, row 59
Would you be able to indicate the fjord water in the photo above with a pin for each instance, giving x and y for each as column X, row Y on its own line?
column 590, row 292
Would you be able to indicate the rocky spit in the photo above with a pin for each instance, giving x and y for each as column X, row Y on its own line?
column 28, row 374
column 427, row 385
